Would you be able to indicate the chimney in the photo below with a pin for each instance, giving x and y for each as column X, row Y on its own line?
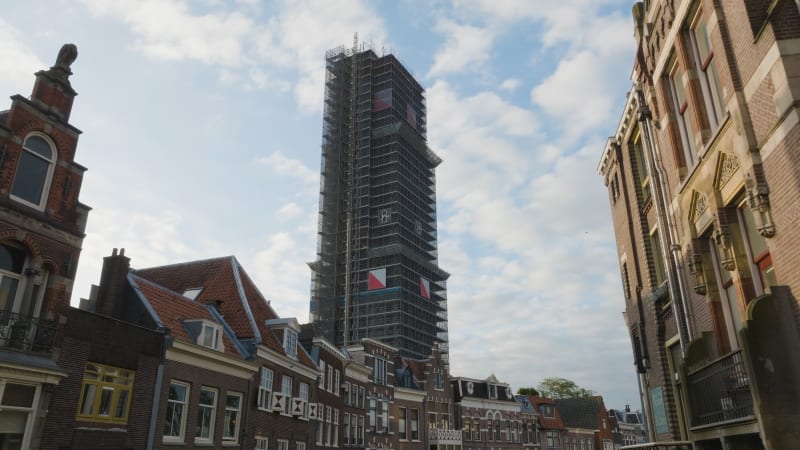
column 52, row 90
column 110, row 295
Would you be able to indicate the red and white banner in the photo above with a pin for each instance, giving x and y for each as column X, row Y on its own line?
column 377, row 279
column 424, row 288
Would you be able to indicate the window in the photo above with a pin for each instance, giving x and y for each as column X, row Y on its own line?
column 265, row 389
column 703, row 55
column 290, row 343
column 299, row 445
column 401, row 423
column 283, row 444
column 302, row 392
column 105, row 394
column 262, row 443
column 192, row 293
column 438, row 379
column 680, row 109
column 329, row 388
column 328, row 423
column 361, row 397
column 286, row 385
column 175, row 417
column 476, row 429
column 553, row 439
column 757, row 251
column 320, row 427
column 34, row 171
column 211, row 337
column 643, row 171
column 497, row 429
column 206, row 411
column 337, row 382
column 492, row 391
column 335, row 441
column 321, row 373
column 347, row 393
column 373, row 405
column 659, row 271
column 354, row 429
column 233, row 408
column 379, row 372
column 346, row 423
column 360, row 430
column 414, row 424
column 547, row 410
column 384, row 422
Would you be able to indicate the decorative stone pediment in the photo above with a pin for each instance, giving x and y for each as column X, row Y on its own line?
column 699, row 211
column 727, row 166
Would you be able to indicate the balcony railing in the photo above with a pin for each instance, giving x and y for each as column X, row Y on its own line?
column 439, row 436
column 720, row 391
column 27, row 333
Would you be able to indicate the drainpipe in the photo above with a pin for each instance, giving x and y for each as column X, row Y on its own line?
column 157, row 393
column 665, row 226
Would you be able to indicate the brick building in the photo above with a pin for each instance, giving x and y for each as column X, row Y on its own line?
column 42, row 227
column 550, row 427
column 589, row 426
column 489, row 415
column 702, row 175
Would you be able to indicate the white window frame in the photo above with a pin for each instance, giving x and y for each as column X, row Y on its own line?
column 335, row 442
column 262, row 443
column 283, row 444
column 299, row 445
column 290, row 343
column 337, row 387
column 379, row 371
column 213, row 408
column 46, row 183
column 183, row 410
column 265, row 386
column 226, row 439
column 322, row 373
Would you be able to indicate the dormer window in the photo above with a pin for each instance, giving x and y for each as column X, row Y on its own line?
column 290, row 343
column 286, row 330
column 211, row 337
column 492, row 391
column 205, row 333
column 192, row 293
column 34, row 171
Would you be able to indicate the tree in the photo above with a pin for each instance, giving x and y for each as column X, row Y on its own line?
column 528, row 391
column 556, row 387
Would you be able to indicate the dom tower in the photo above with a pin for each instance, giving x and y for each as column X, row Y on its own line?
column 376, row 274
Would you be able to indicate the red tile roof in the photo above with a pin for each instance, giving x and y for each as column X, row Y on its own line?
column 223, row 280
column 550, row 423
column 173, row 309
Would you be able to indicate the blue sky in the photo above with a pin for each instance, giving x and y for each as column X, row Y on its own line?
column 202, row 131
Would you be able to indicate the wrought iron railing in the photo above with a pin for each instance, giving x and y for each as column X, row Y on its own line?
column 27, row 333
column 720, row 391
column 439, row 435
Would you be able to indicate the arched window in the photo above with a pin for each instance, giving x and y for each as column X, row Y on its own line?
column 34, row 170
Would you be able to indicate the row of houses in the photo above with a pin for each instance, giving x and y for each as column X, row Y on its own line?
column 193, row 355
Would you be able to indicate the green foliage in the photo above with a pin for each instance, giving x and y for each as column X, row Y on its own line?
column 556, row 387
column 528, row 390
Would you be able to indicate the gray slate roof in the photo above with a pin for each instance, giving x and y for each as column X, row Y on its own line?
column 581, row 412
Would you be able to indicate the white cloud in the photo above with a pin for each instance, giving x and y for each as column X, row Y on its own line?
column 466, row 48
column 289, row 167
column 289, row 210
column 510, row 84
column 167, row 30
column 19, row 61
column 258, row 48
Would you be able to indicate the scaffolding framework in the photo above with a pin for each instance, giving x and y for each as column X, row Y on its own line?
column 377, row 208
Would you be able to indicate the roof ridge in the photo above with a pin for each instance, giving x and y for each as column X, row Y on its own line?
column 185, row 263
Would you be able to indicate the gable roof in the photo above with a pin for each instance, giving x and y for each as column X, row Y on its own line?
column 548, row 423
column 223, row 281
column 172, row 310
column 581, row 412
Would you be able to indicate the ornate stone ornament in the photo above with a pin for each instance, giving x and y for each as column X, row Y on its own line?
column 758, row 201
column 729, row 164
column 722, row 238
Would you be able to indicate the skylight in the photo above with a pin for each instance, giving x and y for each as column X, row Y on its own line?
column 192, row 293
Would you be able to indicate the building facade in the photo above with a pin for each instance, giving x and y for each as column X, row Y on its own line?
column 42, row 227
column 489, row 416
column 702, row 178
column 376, row 274
column 589, row 426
